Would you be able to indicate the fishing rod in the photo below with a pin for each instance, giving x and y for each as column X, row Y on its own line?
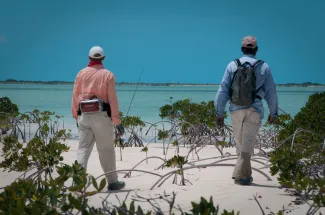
column 134, row 92
column 133, row 97
column 282, row 110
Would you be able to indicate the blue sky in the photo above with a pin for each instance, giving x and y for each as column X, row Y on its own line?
column 173, row 40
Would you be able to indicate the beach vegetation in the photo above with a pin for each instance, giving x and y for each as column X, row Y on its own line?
column 42, row 152
column 6, row 106
column 49, row 186
column 299, row 159
column 163, row 135
column 192, row 113
column 175, row 143
column 134, row 126
column 8, row 111
column 195, row 122
column 177, row 161
column 145, row 150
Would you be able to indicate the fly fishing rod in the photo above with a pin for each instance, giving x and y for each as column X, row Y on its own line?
column 133, row 96
column 136, row 87
column 119, row 138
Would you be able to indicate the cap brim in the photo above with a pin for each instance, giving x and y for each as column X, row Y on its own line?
column 96, row 57
column 249, row 46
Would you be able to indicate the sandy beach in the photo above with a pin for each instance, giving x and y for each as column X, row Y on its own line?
column 211, row 181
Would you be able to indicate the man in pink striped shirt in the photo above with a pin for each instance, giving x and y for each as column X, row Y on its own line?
column 95, row 107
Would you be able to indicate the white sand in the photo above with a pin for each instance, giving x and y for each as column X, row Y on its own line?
column 206, row 182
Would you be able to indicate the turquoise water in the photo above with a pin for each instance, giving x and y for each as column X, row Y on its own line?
column 146, row 103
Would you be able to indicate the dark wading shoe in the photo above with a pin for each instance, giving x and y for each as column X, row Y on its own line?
column 118, row 185
column 243, row 181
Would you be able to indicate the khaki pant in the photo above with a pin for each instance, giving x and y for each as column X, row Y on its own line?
column 97, row 127
column 246, row 124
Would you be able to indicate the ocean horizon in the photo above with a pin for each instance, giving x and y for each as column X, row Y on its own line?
column 57, row 82
column 146, row 102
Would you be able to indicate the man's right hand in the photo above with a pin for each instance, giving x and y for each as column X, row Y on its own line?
column 271, row 120
column 220, row 121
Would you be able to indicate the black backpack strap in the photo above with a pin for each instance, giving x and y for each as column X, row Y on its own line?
column 258, row 96
column 257, row 62
column 237, row 61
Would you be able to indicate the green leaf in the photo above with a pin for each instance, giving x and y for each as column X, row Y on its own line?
column 75, row 188
column 45, row 183
column 34, row 197
column 139, row 211
column 102, row 184
column 195, row 207
column 124, row 206
column 65, row 208
column 53, row 198
column 20, row 204
column 132, row 208
column 74, row 202
column 91, row 193
column 94, row 182
column 23, row 191
column 114, row 212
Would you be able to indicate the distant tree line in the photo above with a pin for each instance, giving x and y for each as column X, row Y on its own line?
column 305, row 84
column 117, row 83
column 35, row 82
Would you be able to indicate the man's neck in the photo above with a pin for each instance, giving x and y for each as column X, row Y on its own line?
column 249, row 55
column 94, row 63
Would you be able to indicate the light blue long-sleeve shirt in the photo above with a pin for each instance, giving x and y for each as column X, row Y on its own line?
column 264, row 78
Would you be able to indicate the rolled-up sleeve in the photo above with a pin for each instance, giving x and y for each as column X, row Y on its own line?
column 112, row 99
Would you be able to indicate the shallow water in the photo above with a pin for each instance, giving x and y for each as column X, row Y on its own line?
column 146, row 103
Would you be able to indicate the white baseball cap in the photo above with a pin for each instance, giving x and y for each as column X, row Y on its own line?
column 96, row 52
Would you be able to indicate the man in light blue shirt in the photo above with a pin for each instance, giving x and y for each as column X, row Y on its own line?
column 247, row 120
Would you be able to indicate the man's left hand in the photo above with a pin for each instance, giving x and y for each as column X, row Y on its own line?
column 120, row 129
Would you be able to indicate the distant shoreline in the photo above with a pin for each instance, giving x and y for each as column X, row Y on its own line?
column 306, row 84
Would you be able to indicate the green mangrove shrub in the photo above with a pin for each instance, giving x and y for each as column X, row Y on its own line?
column 163, row 135
column 134, row 125
column 187, row 113
column 186, row 110
column 299, row 159
column 51, row 195
column 8, row 110
column 208, row 207
column 43, row 151
column 145, row 149
column 177, row 161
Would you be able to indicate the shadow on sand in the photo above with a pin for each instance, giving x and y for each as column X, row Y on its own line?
column 263, row 185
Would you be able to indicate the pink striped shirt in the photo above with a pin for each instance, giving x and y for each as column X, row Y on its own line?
column 98, row 81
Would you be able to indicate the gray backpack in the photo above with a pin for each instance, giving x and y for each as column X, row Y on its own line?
column 242, row 90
